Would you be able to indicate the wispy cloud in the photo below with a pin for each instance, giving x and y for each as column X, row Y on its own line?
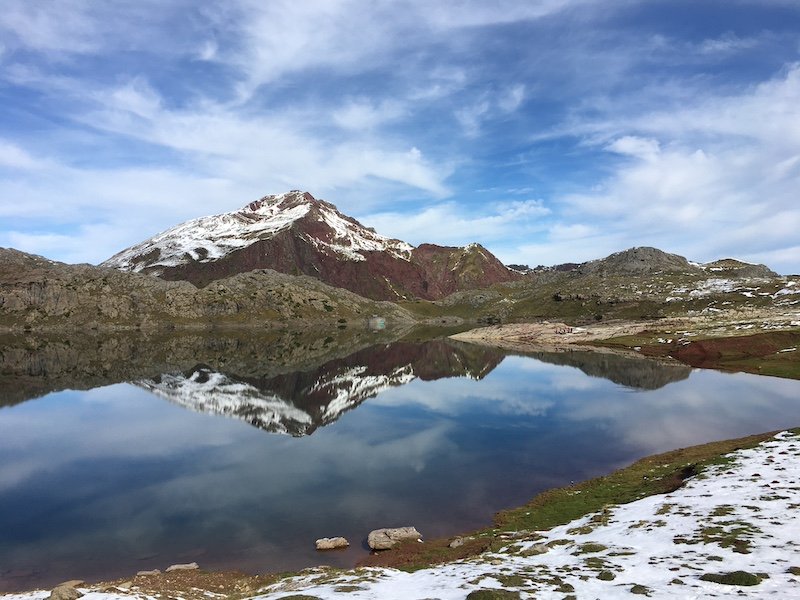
column 449, row 223
column 626, row 127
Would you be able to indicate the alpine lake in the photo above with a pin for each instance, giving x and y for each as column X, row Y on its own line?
column 238, row 449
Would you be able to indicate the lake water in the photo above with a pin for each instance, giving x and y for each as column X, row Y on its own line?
column 130, row 453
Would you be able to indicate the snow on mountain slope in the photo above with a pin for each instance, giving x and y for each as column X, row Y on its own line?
column 207, row 391
column 211, row 238
column 214, row 393
column 350, row 238
column 356, row 384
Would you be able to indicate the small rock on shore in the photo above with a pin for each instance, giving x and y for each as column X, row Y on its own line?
column 64, row 592
column 183, row 567
column 331, row 543
column 383, row 539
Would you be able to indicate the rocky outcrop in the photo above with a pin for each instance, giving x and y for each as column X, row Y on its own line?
column 39, row 293
column 639, row 261
column 730, row 267
column 64, row 592
column 383, row 539
column 297, row 234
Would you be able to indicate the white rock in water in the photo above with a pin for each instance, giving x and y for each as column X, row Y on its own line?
column 331, row 543
column 185, row 567
column 383, row 539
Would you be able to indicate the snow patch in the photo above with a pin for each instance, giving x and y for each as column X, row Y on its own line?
column 207, row 239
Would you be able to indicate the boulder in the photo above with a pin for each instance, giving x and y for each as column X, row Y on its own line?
column 331, row 543
column 72, row 583
column 64, row 592
column 183, row 567
column 383, row 539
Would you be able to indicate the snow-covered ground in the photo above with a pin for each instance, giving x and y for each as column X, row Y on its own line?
column 743, row 515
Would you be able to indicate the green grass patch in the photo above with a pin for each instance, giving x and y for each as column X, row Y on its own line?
column 493, row 595
column 590, row 548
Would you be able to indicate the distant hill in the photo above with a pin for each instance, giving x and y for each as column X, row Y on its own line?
column 641, row 260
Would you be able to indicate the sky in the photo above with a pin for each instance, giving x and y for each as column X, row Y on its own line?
column 550, row 131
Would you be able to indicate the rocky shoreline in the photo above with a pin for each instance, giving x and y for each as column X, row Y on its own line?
column 763, row 344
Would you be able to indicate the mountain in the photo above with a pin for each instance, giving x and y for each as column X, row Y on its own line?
column 297, row 234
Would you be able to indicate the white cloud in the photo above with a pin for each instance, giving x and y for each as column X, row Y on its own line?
column 470, row 117
column 283, row 36
column 52, row 27
column 646, row 149
column 362, row 114
column 136, row 97
column 726, row 43
column 15, row 157
column 512, row 99
column 451, row 223
column 572, row 231
column 208, row 50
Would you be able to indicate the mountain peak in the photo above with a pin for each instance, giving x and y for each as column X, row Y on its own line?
column 296, row 233
column 274, row 203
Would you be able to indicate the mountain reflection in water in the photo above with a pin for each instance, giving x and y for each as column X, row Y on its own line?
column 102, row 478
column 298, row 403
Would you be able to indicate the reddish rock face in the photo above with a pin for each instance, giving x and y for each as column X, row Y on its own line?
column 296, row 234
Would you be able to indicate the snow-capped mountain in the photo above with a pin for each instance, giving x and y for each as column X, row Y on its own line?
column 297, row 234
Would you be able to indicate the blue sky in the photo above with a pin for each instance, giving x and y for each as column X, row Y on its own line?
column 549, row 130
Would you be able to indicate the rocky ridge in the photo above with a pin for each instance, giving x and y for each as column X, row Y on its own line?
column 40, row 293
column 639, row 283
